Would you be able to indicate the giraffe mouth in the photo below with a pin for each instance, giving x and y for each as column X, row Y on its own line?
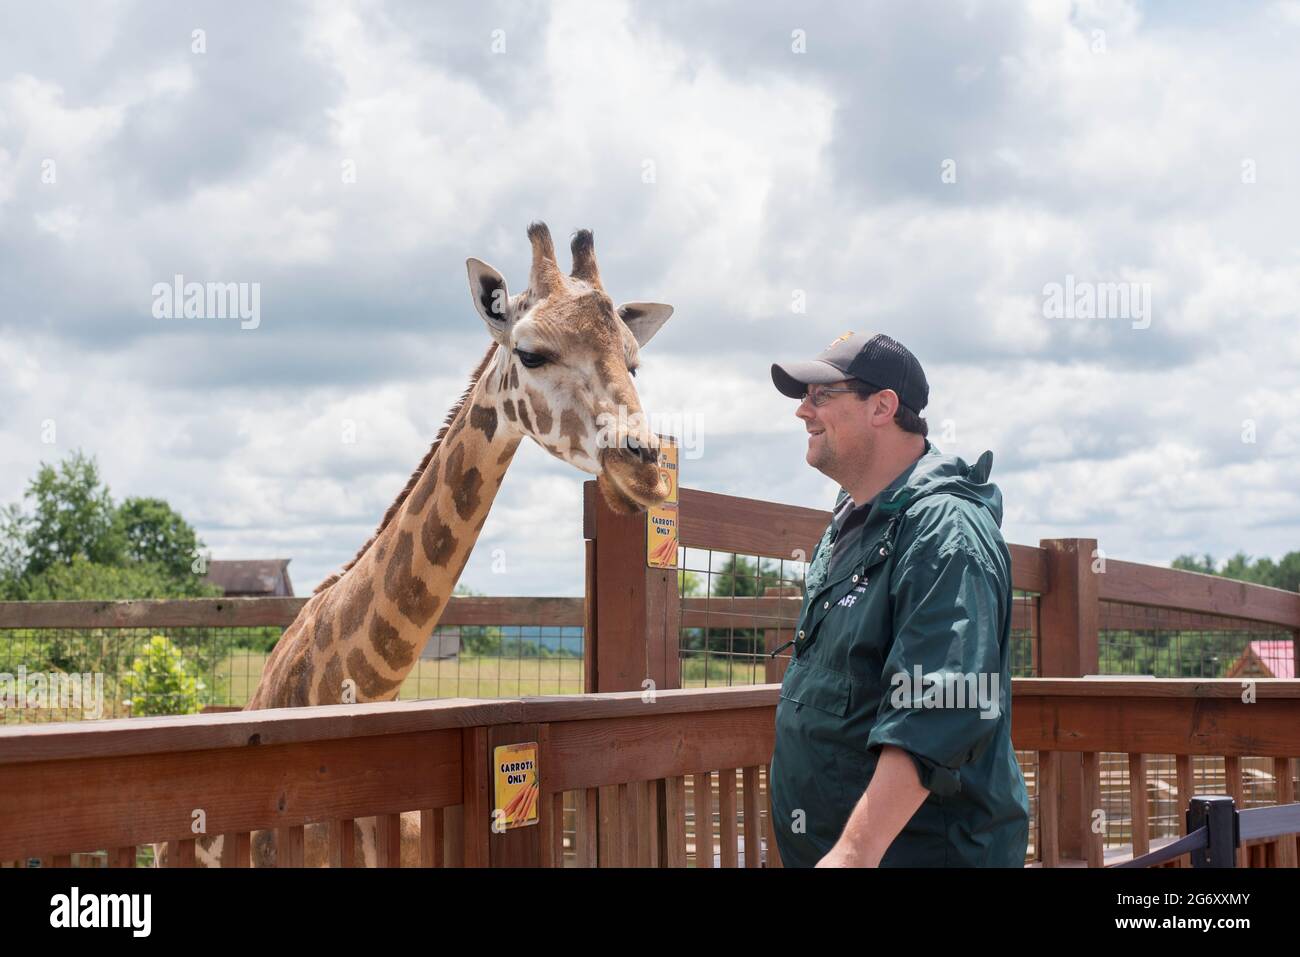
column 630, row 485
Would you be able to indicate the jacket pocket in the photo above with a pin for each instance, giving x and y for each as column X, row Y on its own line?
column 817, row 687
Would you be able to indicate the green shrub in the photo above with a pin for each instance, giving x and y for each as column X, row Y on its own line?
column 160, row 681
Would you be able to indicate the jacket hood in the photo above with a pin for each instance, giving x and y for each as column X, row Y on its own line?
column 936, row 472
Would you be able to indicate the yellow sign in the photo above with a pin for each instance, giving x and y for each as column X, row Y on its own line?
column 517, row 785
column 661, row 519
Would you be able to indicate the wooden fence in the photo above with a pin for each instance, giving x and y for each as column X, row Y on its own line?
column 677, row 780
column 638, row 774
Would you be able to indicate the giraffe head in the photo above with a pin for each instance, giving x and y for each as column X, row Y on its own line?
column 564, row 368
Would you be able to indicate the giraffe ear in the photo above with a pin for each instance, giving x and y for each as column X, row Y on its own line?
column 644, row 318
column 491, row 299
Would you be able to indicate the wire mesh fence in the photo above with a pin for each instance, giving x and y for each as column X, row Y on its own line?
column 73, row 674
column 735, row 609
column 1174, row 643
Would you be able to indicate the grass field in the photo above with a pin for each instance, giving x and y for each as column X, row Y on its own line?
column 484, row 677
column 463, row 677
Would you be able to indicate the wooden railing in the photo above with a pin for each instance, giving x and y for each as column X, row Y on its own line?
column 113, row 785
column 275, row 612
column 640, row 773
column 1084, row 718
column 605, row 751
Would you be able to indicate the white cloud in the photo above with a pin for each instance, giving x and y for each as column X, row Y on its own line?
column 1118, row 165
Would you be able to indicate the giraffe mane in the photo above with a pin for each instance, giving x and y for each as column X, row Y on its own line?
column 415, row 476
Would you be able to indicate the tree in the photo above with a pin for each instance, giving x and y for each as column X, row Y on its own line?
column 740, row 578
column 74, row 515
column 1190, row 563
column 13, row 551
column 77, row 544
column 1241, row 567
column 161, row 681
column 157, row 535
column 84, row 580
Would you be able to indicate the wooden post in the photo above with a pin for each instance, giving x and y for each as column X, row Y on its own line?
column 774, row 638
column 519, row 846
column 1069, row 615
column 634, row 612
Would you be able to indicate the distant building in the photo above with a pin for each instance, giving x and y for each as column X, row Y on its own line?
column 1265, row 659
column 254, row 578
column 443, row 643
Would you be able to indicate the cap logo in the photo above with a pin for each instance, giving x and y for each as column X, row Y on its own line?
column 837, row 341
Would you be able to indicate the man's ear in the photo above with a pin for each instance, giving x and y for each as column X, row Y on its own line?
column 644, row 318
column 491, row 299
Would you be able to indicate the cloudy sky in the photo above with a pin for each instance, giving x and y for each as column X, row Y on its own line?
column 780, row 173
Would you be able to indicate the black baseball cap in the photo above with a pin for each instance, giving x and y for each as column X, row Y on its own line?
column 876, row 360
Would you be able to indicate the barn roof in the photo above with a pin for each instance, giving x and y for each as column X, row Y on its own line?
column 251, row 577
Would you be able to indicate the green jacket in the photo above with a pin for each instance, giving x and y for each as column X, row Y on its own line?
column 907, row 645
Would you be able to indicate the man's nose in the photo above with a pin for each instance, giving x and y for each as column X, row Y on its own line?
column 804, row 409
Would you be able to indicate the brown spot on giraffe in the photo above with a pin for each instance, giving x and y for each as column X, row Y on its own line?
column 541, row 411
column 330, row 688
column 439, row 542
column 571, row 428
column 484, row 419
column 371, row 685
column 465, row 483
column 352, row 614
column 523, row 416
column 425, row 487
column 323, row 629
column 297, row 686
column 403, row 587
column 387, row 640
column 514, row 376
column 508, row 407
column 506, row 455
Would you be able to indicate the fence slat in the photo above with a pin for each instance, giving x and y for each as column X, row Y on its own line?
column 773, row 854
column 1093, row 812
column 1186, row 790
column 1232, row 782
column 431, row 837
column 703, row 787
column 453, row 825
column 675, row 822
column 610, row 845
column 342, row 839
column 388, row 839
column 122, row 857
column 627, row 817
column 727, row 817
column 588, row 825
column 557, row 834
column 1286, row 845
column 1139, row 833
column 1049, row 789
column 289, row 846
column 753, row 824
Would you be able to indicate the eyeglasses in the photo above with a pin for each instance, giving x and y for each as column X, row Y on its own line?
column 820, row 397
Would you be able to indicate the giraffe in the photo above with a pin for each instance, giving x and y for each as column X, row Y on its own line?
column 559, row 371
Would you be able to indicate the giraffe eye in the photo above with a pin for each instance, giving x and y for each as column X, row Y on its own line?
column 633, row 371
column 531, row 360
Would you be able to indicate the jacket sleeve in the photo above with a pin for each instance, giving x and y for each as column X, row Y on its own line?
column 948, row 607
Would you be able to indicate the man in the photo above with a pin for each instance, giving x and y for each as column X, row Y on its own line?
column 893, row 729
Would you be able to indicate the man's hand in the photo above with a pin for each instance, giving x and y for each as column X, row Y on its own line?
column 846, row 855
column 892, row 797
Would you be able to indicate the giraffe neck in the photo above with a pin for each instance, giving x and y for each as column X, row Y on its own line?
column 358, row 639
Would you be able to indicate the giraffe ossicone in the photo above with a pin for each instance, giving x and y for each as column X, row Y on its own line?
column 559, row 371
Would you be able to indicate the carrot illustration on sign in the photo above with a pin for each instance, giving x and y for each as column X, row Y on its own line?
column 664, row 549
column 521, row 803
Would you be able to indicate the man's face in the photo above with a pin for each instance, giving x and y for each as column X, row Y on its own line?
column 840, row 437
